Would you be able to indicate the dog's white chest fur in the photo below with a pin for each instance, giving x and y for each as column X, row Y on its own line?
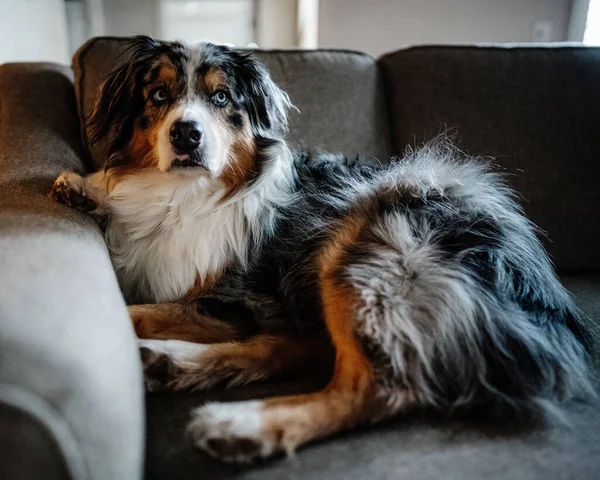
column 167, row 232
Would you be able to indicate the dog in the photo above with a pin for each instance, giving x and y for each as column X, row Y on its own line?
column 420, row 281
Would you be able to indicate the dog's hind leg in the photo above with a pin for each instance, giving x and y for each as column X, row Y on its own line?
column 180, row 365
column 246, row 430
column 178, row 344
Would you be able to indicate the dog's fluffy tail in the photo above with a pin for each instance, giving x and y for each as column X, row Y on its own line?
column 460, row 306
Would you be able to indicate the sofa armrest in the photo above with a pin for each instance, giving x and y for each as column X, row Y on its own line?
column 68, row 354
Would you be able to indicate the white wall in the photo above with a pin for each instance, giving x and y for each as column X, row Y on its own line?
column 33, row 30
column 378, row 26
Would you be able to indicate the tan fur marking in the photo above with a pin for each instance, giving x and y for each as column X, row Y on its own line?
column 167, row 74
column 174, row 321
column 214, row 80
column 141, row 149
column 242, row 168
column 258, row 358
column 200, row 288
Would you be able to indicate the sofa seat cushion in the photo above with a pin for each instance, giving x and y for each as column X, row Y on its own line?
column 416, row 447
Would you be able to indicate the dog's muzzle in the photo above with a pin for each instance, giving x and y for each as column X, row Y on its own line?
column 186, row 140
column 186, row 137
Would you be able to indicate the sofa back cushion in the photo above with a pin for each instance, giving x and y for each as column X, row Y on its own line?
column 536, row 111
column 338, row 95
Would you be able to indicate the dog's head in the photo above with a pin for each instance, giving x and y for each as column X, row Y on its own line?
column 197, row 110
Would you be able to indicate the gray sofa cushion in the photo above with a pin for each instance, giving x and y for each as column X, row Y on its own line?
column 536, row 111
column 337, row 92
column 414, row 448
column 20, row 435
column 68, row 355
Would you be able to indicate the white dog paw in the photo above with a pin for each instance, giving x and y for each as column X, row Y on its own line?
column 232, row 432
column 72, row 190
column 68, row 190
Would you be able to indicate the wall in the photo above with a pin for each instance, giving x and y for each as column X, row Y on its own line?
column 33, row 30
column 379, row 26
column 131, row 17
column 592, row 29
column 578, row 20
column 219, row 21
column 276, row 23
column 275, row 20
column 308, row 23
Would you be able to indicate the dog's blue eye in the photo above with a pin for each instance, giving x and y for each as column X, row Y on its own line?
column 159, row 95
column 220, row 98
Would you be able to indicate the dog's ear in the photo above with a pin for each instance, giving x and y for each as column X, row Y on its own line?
column 116, row 97
column 110, row 108
column 267, row 105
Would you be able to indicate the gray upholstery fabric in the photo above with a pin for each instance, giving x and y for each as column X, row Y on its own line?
column 337, row 92
column 68, row 356
column 534, row 110
column 415, row 448
column 20, row 435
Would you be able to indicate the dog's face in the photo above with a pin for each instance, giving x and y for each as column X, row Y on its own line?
column 196, row 110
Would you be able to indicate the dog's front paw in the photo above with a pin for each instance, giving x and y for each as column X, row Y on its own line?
column 68, row 189
column 232, row 432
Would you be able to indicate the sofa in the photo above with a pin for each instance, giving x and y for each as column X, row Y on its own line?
column 72, row 403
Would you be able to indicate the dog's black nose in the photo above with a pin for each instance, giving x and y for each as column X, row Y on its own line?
column 185, row 136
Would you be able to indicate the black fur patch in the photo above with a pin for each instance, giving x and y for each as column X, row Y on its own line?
column 154, row 73
column 236, row 120
column 143, row 122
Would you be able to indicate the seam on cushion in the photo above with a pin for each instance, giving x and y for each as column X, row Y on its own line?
column 40, row 409
column 387, row 89
column 383, row 98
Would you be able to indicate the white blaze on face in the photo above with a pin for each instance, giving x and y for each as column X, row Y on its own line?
column 195, row 107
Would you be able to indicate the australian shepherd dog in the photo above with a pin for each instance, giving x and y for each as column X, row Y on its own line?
column 420, row 282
